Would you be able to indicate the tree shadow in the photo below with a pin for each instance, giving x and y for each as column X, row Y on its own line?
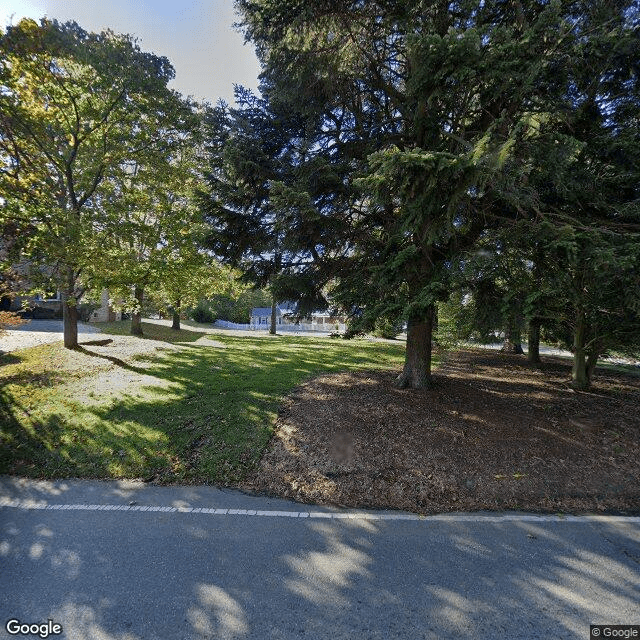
column 196, row 413
column 243, row 578
column 9, row 358
column 119, row 362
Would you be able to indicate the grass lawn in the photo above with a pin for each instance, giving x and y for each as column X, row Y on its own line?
column 178, row 412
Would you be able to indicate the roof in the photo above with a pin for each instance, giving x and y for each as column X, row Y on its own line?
column 282, row 308
column 261, row 312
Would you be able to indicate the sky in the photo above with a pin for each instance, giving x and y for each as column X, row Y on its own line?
column 197, row 36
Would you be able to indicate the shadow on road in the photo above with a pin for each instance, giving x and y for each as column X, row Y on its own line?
column 200, row 577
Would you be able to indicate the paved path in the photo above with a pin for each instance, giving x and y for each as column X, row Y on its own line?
column 36, row 332
column 554, row 351
column 128, row 561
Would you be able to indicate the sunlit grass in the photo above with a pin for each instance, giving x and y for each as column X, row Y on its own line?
column 196, row 413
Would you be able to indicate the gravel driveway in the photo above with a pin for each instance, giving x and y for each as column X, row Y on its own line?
column 36, row 332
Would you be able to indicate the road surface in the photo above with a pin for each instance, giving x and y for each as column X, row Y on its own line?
column 129, row 561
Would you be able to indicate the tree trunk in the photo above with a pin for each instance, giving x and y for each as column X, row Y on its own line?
column 533, row 343
column 592, row 361
column 70, row 322
column 512, row 340
column 272, row 327
column 597, row 347
column 70, row 313
column 579, row 376
column 417, row 364
column 176, row 316
column 136, row 317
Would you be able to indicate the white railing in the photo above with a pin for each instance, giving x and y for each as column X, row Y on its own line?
column 318, row 327
column 225, row 324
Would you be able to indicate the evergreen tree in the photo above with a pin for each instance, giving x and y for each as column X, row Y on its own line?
column 434, row 106
column 264, row 197
column 589, row 185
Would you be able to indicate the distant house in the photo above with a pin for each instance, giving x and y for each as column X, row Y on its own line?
column 285, row 319
column 39, row 306
column 261, row 317
column 105, row 313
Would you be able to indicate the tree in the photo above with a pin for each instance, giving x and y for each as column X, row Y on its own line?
column 592, row 194
column 262, row 220
column 187, row 277
column 77, row 109
column 435, row 107
column 151, row 246
column 601, row 288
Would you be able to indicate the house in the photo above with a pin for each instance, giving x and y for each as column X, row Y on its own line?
column 105, row 313
column 261, row 317
column 285, row 319
column 44, row 306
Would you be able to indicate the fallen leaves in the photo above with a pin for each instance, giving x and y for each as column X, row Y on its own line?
column 354, row 439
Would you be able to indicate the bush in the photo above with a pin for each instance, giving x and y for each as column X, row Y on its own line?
column 386, row 328
column 203, row 312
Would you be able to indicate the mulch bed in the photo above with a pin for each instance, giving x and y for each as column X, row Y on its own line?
column 493, row 433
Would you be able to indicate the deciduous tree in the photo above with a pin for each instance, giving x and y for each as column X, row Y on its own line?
column 77, row 109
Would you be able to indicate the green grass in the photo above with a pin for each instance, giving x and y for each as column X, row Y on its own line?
column 198, row 413
column 611, row 367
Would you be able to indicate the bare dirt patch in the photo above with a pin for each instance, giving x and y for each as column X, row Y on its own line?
column 492, row 433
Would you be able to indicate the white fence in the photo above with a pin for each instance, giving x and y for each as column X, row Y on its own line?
column 313, row 326
column 225, row 324
column 318, row 327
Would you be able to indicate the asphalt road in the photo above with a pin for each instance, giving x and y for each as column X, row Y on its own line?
column 128, row 561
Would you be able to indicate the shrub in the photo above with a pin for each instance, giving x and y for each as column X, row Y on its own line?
column 203, row 312
column 386, row 328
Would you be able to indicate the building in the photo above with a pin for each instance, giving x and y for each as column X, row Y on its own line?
column 261, row 317
column 285, row 320
column 105, row 313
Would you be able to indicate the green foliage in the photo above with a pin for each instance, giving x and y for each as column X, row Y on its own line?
column 266, row 196
column 80, row 113
column 433, row 115
column 203, row 312
column 387, row 328
column 237, row 308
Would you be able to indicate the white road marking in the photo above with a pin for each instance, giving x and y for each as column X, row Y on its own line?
column 26, row 505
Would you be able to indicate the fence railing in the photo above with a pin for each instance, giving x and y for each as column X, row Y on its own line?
column 318, row 327
column 225, row 324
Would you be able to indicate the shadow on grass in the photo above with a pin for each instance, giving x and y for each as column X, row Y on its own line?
column 21, row 450
column 9, row 358
column 207, row 420
column 117, row 361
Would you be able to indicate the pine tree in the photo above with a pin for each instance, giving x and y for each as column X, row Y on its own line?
column 435, row 108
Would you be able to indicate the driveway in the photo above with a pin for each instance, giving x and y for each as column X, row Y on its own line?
column 36, row 332
column 124, row 560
